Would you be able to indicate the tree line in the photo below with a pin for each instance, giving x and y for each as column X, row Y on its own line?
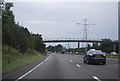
column 57, row 48
column 17, row 36
column 105, row 46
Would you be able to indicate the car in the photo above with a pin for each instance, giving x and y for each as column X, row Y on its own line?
column 94, row 56
column 62, row 52
column 49, row 52
column 76, row 52
column 113, row 53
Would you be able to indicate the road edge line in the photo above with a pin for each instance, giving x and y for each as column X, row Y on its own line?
column 47, row 58
column 31, row 70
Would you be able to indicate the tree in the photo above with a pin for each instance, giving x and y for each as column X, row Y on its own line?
column 89, row 47
column 105, row 46
column 18, row 36
column 39, row 44
column 96, row 46
column 7, row 24
column 58, row 48
column 49, row 48
column 8, row 6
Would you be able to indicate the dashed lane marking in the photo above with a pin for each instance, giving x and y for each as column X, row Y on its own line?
column 96, row 78
column 70, row 60
column 78, row 65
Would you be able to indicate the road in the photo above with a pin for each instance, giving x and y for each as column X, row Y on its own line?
column 66, row 66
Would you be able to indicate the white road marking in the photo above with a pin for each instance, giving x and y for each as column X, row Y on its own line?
column 47, row 58
column 70, row 60
column 96, row 78
column 31, row 70
column 78, row 65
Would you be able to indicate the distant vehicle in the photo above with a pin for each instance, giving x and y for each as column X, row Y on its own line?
column 113, row 53
column 70, row 52
column 76, row 52
column 46, row 52
column 92, row 50
column 49, row 52
column 94, row 56
column 62, row 52
column 104, row 52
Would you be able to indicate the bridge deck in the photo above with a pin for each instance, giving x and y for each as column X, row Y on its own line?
column 51, row 41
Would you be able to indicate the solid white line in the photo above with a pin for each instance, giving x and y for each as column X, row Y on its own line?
column 31, row 70
column 78, row 65
column 47, row 58
column 96, row 78
column 70, row 60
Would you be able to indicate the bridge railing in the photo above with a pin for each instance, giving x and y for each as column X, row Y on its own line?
column 46, row 39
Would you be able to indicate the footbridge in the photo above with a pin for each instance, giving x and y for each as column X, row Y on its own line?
column 78, row 40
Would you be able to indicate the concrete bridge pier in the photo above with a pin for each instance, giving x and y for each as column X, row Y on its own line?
column 78, row 44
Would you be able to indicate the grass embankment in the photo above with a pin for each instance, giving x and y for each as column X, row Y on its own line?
column 12, row 59
column 112, row 56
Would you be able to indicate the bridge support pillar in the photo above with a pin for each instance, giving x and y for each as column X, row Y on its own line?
column 78, row 44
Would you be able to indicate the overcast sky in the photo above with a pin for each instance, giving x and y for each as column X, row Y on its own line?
column 58, row 19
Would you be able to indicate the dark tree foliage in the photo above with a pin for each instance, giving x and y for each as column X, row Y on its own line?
column 58, row 48
column 18, row 36
column 107, row 47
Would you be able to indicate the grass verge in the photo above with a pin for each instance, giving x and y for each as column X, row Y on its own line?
column 115, row 57
column 12, row 59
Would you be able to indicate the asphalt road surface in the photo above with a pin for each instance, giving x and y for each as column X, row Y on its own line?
column 66, row 66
